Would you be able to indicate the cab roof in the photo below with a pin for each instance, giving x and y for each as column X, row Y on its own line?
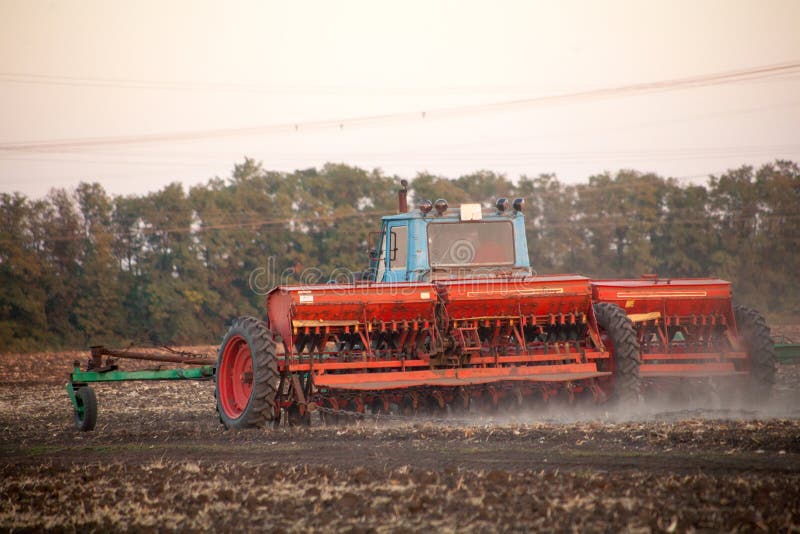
column 452, row 214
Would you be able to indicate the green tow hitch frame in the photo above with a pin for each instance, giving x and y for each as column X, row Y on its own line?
column 786, row 350
column 83, row 398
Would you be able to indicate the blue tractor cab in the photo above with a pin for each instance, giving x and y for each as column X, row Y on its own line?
column 435, row 242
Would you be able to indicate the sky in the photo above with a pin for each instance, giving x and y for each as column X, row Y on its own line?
column 136, row 95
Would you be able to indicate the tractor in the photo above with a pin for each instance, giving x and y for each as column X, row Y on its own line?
column 450, row 318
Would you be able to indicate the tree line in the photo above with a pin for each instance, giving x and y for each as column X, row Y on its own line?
column 80, row 267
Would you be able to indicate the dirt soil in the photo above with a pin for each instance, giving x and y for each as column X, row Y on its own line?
column 160, row 461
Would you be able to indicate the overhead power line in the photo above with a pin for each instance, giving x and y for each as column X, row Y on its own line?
column 263, row 88
column 412, row 156
column 714, row 79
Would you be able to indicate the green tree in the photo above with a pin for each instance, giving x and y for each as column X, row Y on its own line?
column 556, row 235
column 63, row 256
column 622, row 215
column 99, row 315
column 23, row 297
column 778, row 185
column 684, row 242
column 171, row 295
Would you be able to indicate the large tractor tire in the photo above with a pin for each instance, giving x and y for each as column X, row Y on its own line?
column 757, row 340
column 618, row 332
column 247, row 377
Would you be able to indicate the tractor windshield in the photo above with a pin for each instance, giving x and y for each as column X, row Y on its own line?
column 471, row 243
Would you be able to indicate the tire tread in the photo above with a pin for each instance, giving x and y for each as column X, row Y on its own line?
column 266, row 377
column 627, row 358
column 757, row 339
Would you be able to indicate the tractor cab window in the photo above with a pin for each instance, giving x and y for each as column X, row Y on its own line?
column 484, row 243
column 395, row 248
column 398, row 247
column 381, row 259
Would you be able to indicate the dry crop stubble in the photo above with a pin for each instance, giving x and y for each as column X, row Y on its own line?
column 160, row 460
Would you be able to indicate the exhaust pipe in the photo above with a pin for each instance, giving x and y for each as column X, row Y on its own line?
column 402, row 197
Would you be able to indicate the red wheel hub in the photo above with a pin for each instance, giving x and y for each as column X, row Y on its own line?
column 235, row 377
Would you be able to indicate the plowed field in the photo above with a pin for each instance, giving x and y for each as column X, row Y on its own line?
column 159, row 461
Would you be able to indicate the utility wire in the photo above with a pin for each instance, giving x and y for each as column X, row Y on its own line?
column 398, row 156
column 714, row 79
column 171, row 159
column 161, row 85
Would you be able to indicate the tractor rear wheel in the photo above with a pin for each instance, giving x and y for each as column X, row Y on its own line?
column 247, row 377
column 617, row 330
column 757, row 340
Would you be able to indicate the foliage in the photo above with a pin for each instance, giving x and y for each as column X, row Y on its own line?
column 80, row 268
